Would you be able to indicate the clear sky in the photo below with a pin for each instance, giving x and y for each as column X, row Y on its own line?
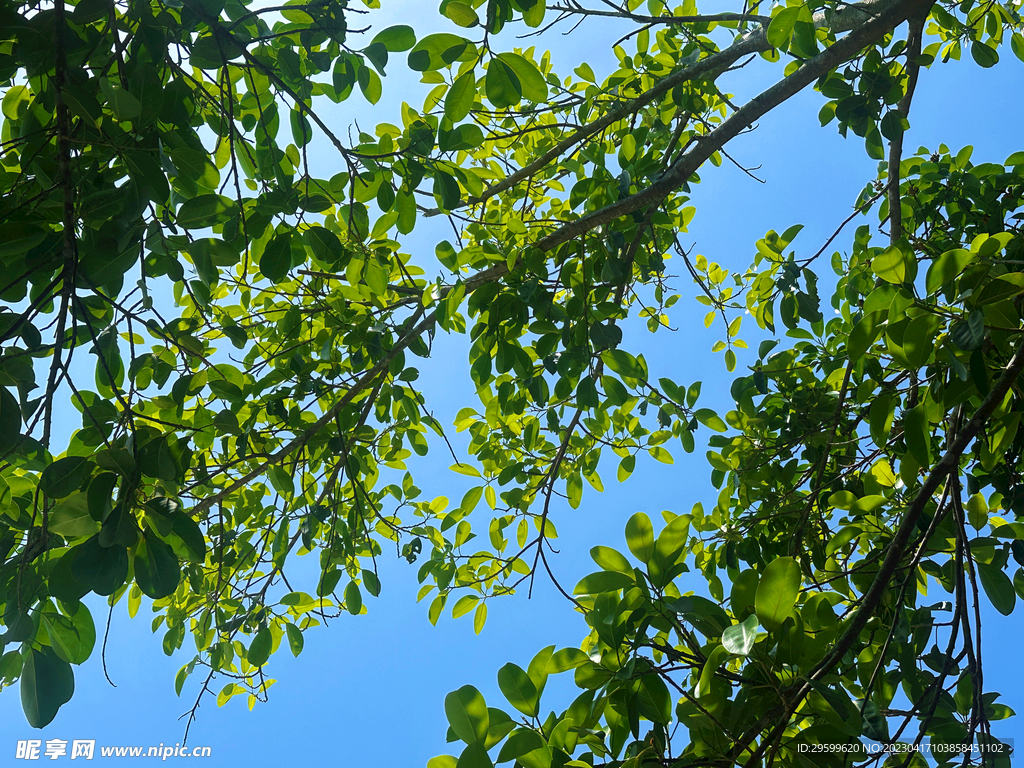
column 369, row 690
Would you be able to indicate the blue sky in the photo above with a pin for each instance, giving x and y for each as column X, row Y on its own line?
column 370, row 689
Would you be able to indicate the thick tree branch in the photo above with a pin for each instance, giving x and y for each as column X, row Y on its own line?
column 850, row 17
column 947, row 465
column 66, row 183
column 896, row 145
column 889, row 16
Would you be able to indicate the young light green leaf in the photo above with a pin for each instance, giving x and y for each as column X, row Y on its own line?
column 891, row 265
column 739, row 638
column 462, row 14
column 397, row 38
column 640, row 536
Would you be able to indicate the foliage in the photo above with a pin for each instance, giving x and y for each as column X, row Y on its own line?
column 255, row 327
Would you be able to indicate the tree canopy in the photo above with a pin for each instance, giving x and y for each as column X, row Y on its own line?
column 242, row 332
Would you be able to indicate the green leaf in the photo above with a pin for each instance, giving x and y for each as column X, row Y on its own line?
column 259, row 648
column 196, row 167
column 65, row 476
column 624, row 364
column 206, row 211
column 998, row 587
column 611, row 560
column 276, row 260
column 370, row 85
column 743, row 592
column 10, row 420
column 71, row 518
column 984, row 55
column 62, row 584
column 102, row 569
column 446, row 190
column 16, row 102
column 780, row 30
column 156, row 567
column 353, row 598
column 777, row 592
column 706, row 682
column 156, row 459
column 804, row 43
column 672, row 539
column 462, row 14
column 187, row 538
column 519, row 689
column 603, row 581
column 302, row 131
column 146, row 172
column 710, row 419
column 532, row 84
column 116, row 460
column 537, row 669
column 969, row 334
column 459, row 100
column 180, row 678
column 397, row 38
column 946, row 267
column 329, row 582
column 371, row 582
column 467, row 714
column 1017, row 44
column 739, row 638
column 655, row 699
column 72, row 637
column 891, row 265
column 893, row 125
column 864, row 333
column 47, row 683
column 119, row 528
column 502, row 85
column 474, row 756
column 325, row 244
column 534, row 15
column 1008, row 530
column 1002, row 287
column 640, row 537
column 520, row 742
column 295, row 638
column 464, row 605
column 121, row 102
column 917, row 433
column 874, row 147
column 566, row 659
column 437, row 52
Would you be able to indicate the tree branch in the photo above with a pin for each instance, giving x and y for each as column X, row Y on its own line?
column 889, row 15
